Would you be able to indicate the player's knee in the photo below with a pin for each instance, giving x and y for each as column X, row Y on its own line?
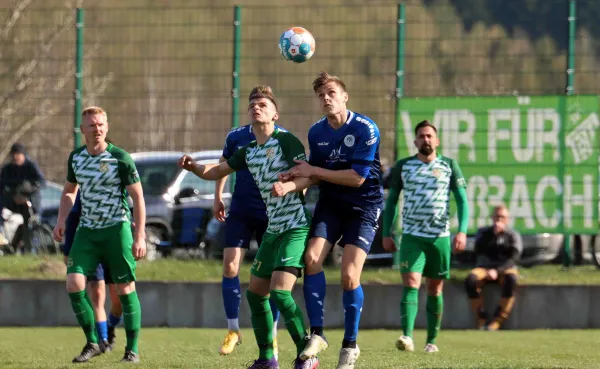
column 75, row 282
column 509, row 285
column 125, row 288
column 471, row 286
column 230, row 268
column 312, row 262
column 434, row 287
column 350, row 280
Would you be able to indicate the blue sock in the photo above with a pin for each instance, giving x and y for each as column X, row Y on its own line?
column 353, row 303
column 113, row 321
column 274, row 310
column 314, row 297
column 232, row 296
column 102, row 330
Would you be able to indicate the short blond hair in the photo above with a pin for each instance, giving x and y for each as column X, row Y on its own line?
column 93, row 110
column 263, row 91
column 324, row 78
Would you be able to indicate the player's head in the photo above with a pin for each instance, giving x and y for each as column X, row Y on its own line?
column 500, row 217
column 426, row 139
column 95, row 125
column 331, row 92
column 262, row 107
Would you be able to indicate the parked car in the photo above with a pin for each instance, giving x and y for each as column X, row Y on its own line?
column 178, row 203
column 50, row 195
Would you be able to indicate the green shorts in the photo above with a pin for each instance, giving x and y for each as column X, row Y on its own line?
column 110, row 246
column 280, row 250
column 427, row 256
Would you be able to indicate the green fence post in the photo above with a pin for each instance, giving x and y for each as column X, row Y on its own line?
column 401, row 35
column 569, row 90
column 235, row 75
column 78, row 93
column 571, row 54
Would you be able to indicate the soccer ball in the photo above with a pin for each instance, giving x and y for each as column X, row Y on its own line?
column 297, row 45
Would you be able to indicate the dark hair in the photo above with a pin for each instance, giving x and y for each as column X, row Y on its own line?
column 424, row 124
column 262, row 91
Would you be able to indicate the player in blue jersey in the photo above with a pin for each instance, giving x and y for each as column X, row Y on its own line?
column 344, row 159
column 98, row 282
column 247, row 216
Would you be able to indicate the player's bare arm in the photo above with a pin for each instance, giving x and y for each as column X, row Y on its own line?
column 347, row 177
column 219, row 205
column 139, row 215
column 67, row 200
column 210, row 172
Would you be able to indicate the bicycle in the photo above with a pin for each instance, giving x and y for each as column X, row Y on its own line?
column 33, row 237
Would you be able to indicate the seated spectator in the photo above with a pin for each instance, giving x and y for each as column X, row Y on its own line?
column 497, row 249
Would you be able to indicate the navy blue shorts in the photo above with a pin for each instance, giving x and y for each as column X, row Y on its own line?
column 346, row 225
column 239, row 230
column 102, row 273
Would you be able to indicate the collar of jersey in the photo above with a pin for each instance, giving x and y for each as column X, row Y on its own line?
column 110, row 145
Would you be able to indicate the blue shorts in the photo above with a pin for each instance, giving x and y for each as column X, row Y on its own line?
column 351, row 225
column 240, row 228
column 102, row 273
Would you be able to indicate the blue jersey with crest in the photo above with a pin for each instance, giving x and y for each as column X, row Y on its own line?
column 355, row 145
column 246, row 199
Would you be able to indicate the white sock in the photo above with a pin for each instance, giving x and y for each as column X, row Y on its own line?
column 275, row 328
column 233, row 325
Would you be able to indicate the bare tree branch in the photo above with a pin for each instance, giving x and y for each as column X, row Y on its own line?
column 13, row 19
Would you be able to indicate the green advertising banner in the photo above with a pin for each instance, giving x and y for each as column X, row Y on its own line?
column 536, row 155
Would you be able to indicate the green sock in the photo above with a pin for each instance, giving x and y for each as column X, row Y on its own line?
column 262, row 323
column 435, row 308
column 85, row 314
column 132, row 319
column 294, row 317
column 409, row 307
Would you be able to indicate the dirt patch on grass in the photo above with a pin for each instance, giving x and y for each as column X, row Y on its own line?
column 50, row 268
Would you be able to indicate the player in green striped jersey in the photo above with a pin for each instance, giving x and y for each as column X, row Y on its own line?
column 104, row 173
column 427, row 180
column 279, row 260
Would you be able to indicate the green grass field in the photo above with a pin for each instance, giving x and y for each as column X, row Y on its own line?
column 29, row 267
column 197, row 348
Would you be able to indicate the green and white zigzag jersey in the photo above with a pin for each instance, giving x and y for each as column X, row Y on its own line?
column 102, row 181
column 265, row 162
column 427, row 186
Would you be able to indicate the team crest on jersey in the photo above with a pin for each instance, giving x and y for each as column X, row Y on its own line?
column 103, row 167
column 270, row 153
column 436, row 173
column 349, row 140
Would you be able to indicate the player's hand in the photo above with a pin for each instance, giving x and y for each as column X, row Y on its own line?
column 219, row 210
column 186, row 162
column 284, row 177
column 389, row 245
column 303, row 169
column 279, row 189
column 139, row 249
column 460, row 242
column 58, row 232
column 492, row 274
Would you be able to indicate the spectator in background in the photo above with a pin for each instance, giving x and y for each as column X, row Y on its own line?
column 497, row 249
column 20, row 181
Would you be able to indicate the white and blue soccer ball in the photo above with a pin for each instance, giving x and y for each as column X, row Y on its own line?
column 296, row 44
